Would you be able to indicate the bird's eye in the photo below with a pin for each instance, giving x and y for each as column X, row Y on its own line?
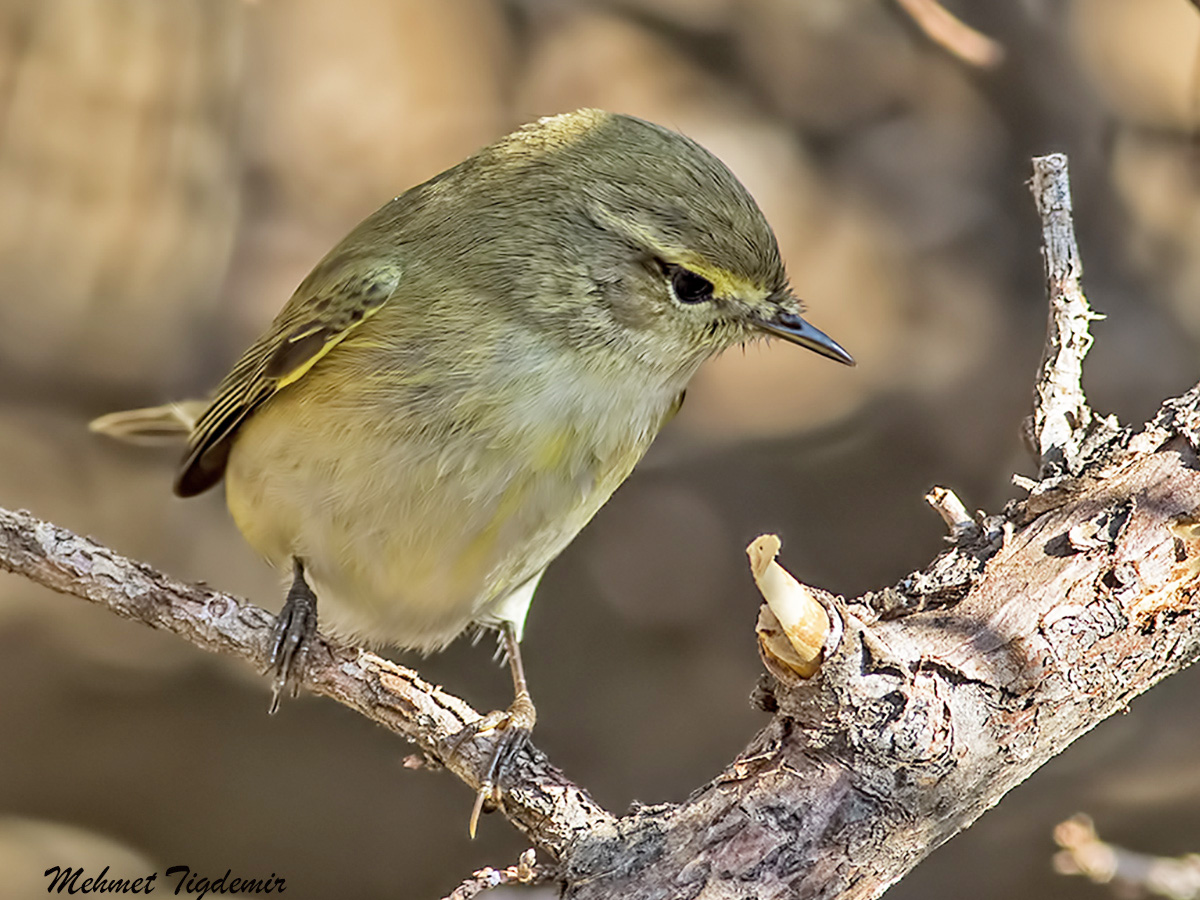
column 688, row 286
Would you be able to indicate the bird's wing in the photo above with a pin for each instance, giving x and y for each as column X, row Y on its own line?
column 334, row 300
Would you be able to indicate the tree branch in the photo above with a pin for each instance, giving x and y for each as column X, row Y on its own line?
column 524, row 872
column 1131, row 874
column 539, row 800
column 953, row 34
column 932, row 699
column 1062, row 419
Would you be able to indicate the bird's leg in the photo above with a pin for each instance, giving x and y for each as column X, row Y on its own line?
column 294, row 628
column 513, row 725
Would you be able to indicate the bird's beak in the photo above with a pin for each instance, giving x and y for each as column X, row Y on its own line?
column 791, row 327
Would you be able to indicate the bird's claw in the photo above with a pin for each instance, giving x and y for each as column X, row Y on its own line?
column 291, row 635
column 513, row 727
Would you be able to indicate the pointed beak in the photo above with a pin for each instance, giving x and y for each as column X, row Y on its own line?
column 791, row 327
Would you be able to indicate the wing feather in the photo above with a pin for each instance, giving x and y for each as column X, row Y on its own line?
column 333, row 301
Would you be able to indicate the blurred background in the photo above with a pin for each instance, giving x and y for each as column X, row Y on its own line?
column 169, row 171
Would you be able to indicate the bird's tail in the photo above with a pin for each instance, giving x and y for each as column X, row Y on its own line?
column 153, row 425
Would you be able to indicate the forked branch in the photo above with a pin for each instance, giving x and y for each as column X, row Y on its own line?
column 930, row 700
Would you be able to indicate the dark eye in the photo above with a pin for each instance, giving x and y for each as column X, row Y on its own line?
column 688, row 286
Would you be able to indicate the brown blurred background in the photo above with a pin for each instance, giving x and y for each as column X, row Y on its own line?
column 169, row 171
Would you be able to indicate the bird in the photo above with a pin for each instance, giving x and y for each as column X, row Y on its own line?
column 464, row 380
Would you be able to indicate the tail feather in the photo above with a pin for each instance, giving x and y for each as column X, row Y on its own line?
column 153, row 425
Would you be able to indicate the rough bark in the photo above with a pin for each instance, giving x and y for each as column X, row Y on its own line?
column 935, row 696
column 917, row 725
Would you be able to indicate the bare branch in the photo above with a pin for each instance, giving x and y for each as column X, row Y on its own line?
column 1062, row 419
column 947, row 505
column 539, row 800
column 1083, row 853
column 930, row 699
column 524, row 872
column 954, row 35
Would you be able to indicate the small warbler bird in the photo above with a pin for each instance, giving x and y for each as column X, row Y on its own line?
column 463, row 381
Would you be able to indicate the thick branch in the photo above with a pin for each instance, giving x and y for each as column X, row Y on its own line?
column 915, row 726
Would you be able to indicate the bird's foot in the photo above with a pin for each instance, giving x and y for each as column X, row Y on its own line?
column 512, row 727
column 291, row 636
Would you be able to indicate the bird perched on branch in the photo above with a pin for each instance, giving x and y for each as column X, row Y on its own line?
column 464, row 380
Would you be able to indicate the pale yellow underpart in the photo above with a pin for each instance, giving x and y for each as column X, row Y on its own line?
column 409, row 535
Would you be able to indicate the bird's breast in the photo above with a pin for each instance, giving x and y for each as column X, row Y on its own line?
column 414, row 510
